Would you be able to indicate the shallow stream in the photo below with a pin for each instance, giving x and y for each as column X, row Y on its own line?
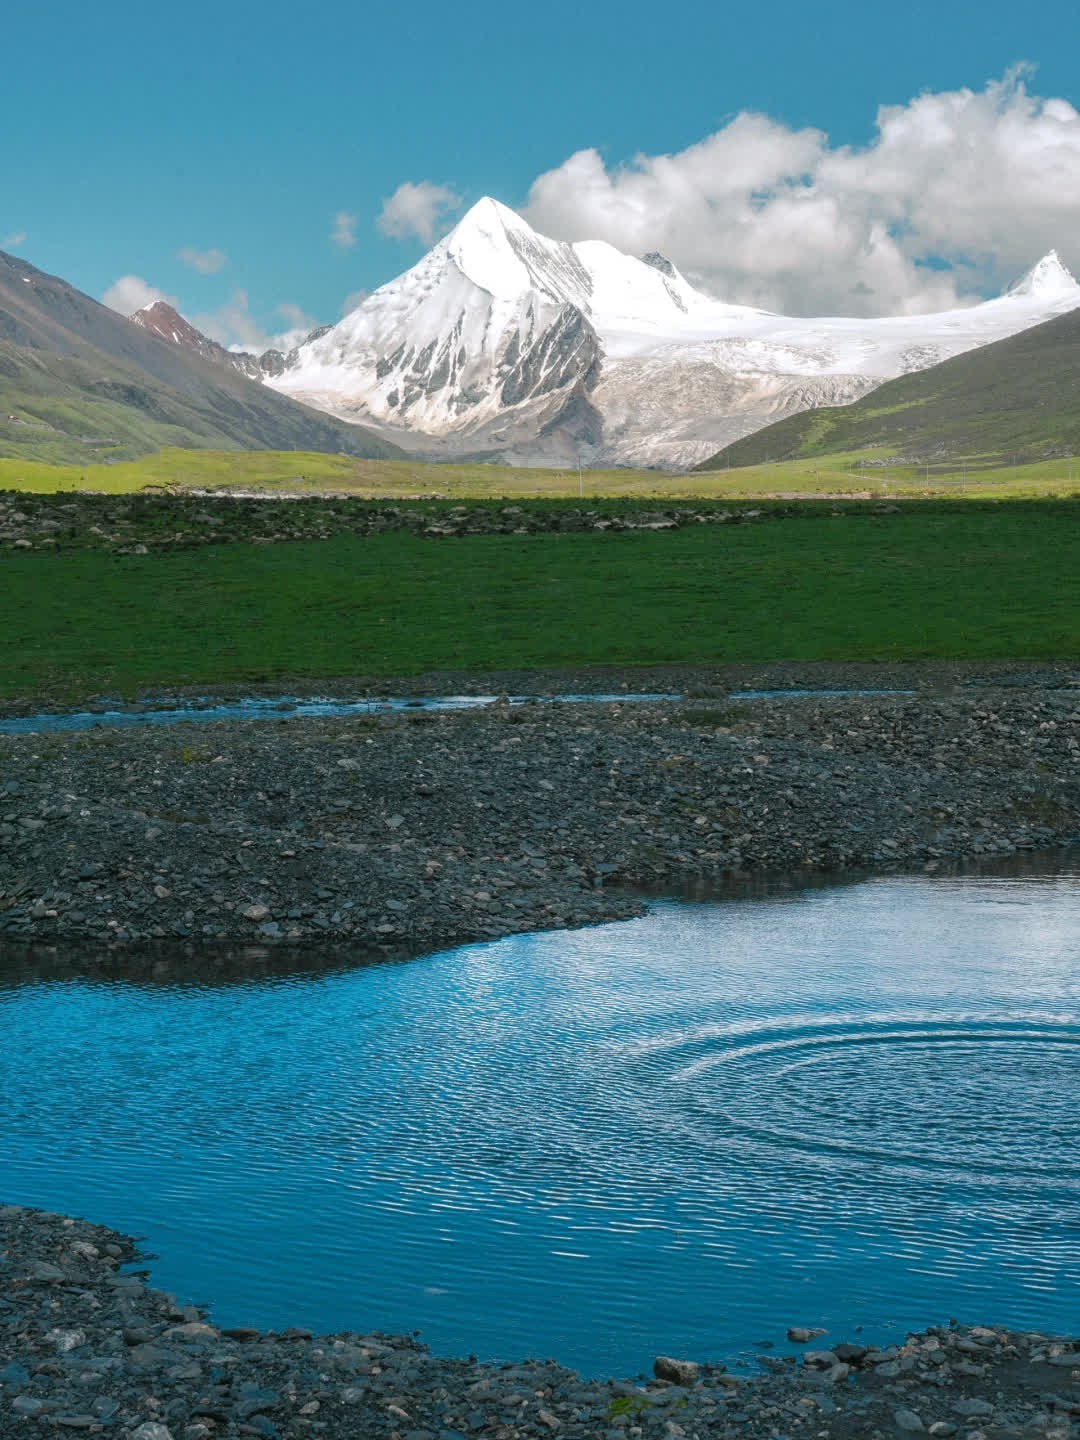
column 850, row 1107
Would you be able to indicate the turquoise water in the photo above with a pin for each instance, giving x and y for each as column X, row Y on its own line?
column 856, row 1106
column 287, row 707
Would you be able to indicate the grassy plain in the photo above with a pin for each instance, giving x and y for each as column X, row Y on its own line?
column 927, row 582
column 866, row 473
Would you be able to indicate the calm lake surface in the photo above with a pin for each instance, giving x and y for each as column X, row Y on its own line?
column 856, row 1106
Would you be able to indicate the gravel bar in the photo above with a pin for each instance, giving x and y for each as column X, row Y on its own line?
column 413, row 831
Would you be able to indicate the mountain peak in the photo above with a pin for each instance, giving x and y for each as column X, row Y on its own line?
column 1049, row 277
column 158, row 310
column 166, row 322
column 487, row 224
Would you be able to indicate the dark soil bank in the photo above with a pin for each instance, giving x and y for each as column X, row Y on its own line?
column 411, row 831
column 86, row 1347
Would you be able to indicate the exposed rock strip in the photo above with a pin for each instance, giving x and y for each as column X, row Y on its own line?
column 148, row 522
column 415, row 830
column 87, row 1345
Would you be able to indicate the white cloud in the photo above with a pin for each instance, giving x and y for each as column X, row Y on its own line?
column 343, row 235
column 14, row 240
column 234, row 326
column 131, row 293
column 416, row 210
column 206, row 262
column 352, row 300
column 957, row 194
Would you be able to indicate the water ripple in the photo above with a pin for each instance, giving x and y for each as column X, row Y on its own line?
column 847, row 1107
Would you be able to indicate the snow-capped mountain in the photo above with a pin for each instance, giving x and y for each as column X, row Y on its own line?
column 503, row 342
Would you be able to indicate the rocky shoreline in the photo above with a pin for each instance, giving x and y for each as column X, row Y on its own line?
column 88, row 1345
column 411, row 831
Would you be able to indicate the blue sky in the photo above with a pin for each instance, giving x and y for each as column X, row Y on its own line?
column 137, row 131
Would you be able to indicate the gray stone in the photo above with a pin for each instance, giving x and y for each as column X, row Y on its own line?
column 678, row 1372
column 850, row 1354
column 907, row 1421
column 973, row 1407
column 820, row 1359
column 43, row 1270
column 27, row 1405
column 253, row 1399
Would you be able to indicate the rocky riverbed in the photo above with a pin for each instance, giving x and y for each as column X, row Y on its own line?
column 411, row 831
column 86, row 1344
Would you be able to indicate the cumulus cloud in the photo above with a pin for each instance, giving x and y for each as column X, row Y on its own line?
column 206, row 262
column 14, row 240
column 956, row 194
column 131, row 293
column 234, row 326
column 416, row 210
column 343, row 234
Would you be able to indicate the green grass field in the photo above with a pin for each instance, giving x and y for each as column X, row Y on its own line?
column 865, row 473
column 929, row 582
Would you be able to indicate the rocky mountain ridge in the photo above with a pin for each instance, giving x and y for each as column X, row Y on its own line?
column 504, row 344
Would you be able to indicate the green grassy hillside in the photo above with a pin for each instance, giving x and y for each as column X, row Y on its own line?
column 1015, row 400
column 81, row 384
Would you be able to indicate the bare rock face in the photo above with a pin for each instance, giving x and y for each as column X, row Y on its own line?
column 166, row 322
column 658, row 262
column 162, row 320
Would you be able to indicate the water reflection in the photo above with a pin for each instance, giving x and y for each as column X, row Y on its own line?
column 850, row 1106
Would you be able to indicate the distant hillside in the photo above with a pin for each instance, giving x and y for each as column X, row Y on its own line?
column 80, row 383
column 1019, row 396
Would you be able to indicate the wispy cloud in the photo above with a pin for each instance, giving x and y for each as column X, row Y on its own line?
column 417, row 210
column 14, row 240
column 206, row 262
column 234, row 326
column 131, row 293
column 343, row 233
column 958, row 193
column 352, row 300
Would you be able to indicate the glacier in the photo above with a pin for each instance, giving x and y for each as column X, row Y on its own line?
column 504, row 344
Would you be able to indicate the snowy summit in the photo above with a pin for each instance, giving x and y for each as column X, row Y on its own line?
column 503, row 342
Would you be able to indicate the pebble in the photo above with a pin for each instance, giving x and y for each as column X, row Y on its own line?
column 908, row 1421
